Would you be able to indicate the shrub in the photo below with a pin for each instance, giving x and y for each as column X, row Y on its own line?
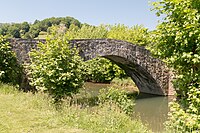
column 118, row 97
column 177, row 42
column 102, row 70
column 136, row 34
column 10, row 70
column 56, row 68
column 182, row 119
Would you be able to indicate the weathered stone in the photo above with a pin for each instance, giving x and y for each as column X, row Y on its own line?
column 149, row 74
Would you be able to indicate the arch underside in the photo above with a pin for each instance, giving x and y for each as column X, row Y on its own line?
column 143, row 80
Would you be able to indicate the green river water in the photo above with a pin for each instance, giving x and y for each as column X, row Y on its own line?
column 151, row 109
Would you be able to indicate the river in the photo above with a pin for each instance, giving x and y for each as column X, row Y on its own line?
column 151, row 109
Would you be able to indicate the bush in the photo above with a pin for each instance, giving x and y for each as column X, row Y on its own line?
column 181, row 120
column 10, row 70
column 176, row 41
column 117, row 97
column 56, row 68
column 137, row 34
column 102, row 70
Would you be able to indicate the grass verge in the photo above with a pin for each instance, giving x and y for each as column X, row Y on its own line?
column 34, row 113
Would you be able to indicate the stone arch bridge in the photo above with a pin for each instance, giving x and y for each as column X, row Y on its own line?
column 149, row 74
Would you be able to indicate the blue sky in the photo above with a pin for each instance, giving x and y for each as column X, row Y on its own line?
column 94, row 12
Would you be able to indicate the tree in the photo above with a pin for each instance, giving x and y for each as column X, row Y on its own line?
column 4, row 29
column 24, row 28
column 101, row 70
column 34, row 30
column 136, row 34
column 14, row 30
column 177, row 42
column 10, row 70
column 56, row 68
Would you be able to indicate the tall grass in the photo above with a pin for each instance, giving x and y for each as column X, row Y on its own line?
column 35, row 113
column 26, row 112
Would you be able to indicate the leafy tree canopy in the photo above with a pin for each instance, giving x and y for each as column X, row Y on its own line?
column 177, row 42
column 28, row 30
column 56, row 68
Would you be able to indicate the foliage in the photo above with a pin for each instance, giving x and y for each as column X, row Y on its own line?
column 14, row 31
column 185, row 119
column 56, row 68
column 10, row 70
column 177, row 42
column 47, row 23
column 136, row 34
column 118, row 97
column 98, row 69
column 181, row 120
column 126, row 84
column 27, row 31
column 102, row 70
column 86, row 32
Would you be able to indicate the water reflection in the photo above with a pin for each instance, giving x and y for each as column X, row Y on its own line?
column 152, row 111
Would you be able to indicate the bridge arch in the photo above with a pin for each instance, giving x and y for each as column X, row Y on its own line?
column 149, row 74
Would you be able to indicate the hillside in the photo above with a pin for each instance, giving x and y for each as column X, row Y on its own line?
column 28, row 30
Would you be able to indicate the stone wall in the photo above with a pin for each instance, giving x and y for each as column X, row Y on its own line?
column 22, row 46
column 150, row 74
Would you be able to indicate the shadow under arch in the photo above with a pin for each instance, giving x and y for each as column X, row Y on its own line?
column 143, row 80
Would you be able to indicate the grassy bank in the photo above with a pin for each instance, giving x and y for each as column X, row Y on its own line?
column 34, row 113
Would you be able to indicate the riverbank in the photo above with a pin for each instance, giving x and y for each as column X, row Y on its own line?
column 27, row 112
column 152, row 110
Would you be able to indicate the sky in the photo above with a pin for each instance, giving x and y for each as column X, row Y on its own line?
column 94, row 12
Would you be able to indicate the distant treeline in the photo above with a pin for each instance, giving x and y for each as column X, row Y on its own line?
column 27, row 30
